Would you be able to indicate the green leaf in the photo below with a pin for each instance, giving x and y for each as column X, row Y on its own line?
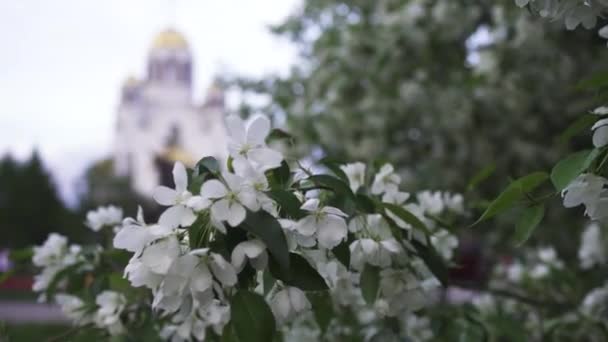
column 432, row 260
column 407, row 217
column 514, row 192
column 278, row 134
column 528, row 221
column 370, row 283
column 481, row 176
column 365, row 204
column 342, row 253
column 301, row 274
column 576, row 127
column 322, row 308
column 197, row 230
column 119, row 283
column 269, row 230
column 334, row 167
column 567, row 169
column 597, row 81
column 279, row 177
column 251, row 318
column 335, row 184
column 268, row 281
column 207, row 165
column 289, row 204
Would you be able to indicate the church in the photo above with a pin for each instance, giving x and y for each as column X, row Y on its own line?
column 158, row 123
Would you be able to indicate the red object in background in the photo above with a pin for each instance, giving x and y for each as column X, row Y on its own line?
column 17, row 282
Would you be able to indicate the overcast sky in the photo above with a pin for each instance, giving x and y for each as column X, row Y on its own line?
column 63, row 61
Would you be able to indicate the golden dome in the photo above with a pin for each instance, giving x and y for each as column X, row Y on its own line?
column 169, row 39
column 175, row 154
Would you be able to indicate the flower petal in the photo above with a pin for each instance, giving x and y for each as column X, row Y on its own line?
column 213, row 189
column 331, row 231
column 265, row 158
column 236, row 214
column 223, row 270
column 180, row 177
column 164, row 195
column 176, row 216
column 236, row 128
column 311, row 204
column 257, row 130
column 132, row 238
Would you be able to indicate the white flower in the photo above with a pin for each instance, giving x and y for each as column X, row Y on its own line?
column 385, row 180
column 51, row 252
column 73, row 308
column 248, row 141
column 515, row 272
column 592, row 251
column 327, row 222
column 454, row 202
column 159, row 256
column 376, row 244
column 595, row 303
column 139, row 274
column 444, row 243
column 180, row 212
column 254, row 250
column 355, row 173
column 221, row 269
column 288, row 303
column 104, row 217
column 134, row 235
column 603, row 110
column 111, row 304
column 229, row 202
column 377, row 253
column 294, row 237
column 600, row 133
column 255, row 181
column 585, row 189
column 430, row 202
column 539, row 271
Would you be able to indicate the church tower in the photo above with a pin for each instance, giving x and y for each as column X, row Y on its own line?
column 157, row 121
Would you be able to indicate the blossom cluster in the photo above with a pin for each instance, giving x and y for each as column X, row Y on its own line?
column 253, row 228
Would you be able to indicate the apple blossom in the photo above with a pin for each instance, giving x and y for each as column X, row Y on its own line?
column 248, row 141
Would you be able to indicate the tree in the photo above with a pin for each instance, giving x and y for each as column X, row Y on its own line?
column 441, row 88
column 30, row 207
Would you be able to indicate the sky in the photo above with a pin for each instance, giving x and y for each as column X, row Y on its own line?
column 62, row 63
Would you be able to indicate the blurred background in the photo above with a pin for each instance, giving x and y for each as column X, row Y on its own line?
column 100, row 98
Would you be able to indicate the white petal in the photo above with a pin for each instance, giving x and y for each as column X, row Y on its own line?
column 220, row 210
column 201, row 278
column 258, row 129
column 132, row 238
column 198, row 203
column 600, row 136
column 281, row 306
column 159, row 256
column 307, row 226
column 334, row 211
column 331, row 231
column 236, row 128
column 311, row 204
column 249, row 199
column 265, row 158
column 165, row 196
column 223, row 270
column 180, row 177
column 251, row 249
column 298, row 299
column 236, row 214
column 369, row 246
column 177, row 216
column 391, row 245
column 213, row 189
column 235, row 183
